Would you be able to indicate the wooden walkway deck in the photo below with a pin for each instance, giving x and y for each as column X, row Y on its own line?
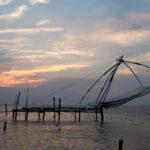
column 57, row 110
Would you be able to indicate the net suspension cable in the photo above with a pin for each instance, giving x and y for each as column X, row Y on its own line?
column 107, row 84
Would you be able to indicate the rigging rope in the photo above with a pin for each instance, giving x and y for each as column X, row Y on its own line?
column 68, row 86
column 96, row 82
column 133, row 73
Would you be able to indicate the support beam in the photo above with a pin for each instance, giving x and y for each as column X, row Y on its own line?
column 75, row 114
column 5, row 122
column 39, row 116
column 79, row 116
column 102, row 114
column 5, row 126
column 120, row 145
column 59, row 109
column 54, row 108
column 26, row 115
column 96, row 112
column 16, row 109
column 43, row 116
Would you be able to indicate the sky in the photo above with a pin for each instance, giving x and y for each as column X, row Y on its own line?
column 52, row 43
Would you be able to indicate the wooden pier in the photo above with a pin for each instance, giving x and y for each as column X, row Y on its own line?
column 57, row 109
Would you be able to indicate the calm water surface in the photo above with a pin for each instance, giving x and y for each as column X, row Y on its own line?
column 130, row 123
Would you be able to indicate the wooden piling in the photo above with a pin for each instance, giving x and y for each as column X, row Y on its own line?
column 43, row 116
column 26, row 115
column 120, row 145
column 13, row 114
column 59, row 109
column 6, row 109
column 54, row 108
column 5, row 122
column 102, row 114
column 16, row 109
column 75, row 114
column 96, row 112
column 39, row 116
column 13, row 111
column 5, row 126
column 79, row 116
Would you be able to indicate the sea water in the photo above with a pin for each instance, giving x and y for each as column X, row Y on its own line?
column 129, row 123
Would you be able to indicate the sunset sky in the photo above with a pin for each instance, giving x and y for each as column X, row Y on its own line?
column 42, row 41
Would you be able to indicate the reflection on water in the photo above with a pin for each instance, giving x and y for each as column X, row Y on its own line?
column 132, row 124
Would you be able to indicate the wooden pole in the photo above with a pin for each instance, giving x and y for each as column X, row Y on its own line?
column 39, row 116
column 75, row 114
column 26, row 110
column 102, row 114
column 5, row 122
column 59, row 109
column 54, row 108
column 120, row 145
column 13, row 115
column 26, row 114
column 16, row 110
column 5, row 126
column 96, row 112
column 43, row 116
column 79, row 116
column 6, row 109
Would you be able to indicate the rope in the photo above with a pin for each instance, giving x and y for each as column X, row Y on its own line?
column 133, row 73
column 96, row 82
column 66, row 87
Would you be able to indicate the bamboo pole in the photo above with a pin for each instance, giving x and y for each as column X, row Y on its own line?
column 120, row 145
column 75, row 114
column 5, row 122
column 54, row 109
column 39, row 116
column 59, row 109
column 102, row 115
column 79, row 115
column 96, row 112
column 43, row 115
column 16, row 110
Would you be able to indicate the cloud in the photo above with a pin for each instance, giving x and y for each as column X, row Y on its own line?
column 5, row 2
column 30, row 30
column 10, row 40
column 46, row 69
column 141, row 57
column 125, row 72
column 38, row 1
column 43, row 22
column 11, row 81
column 19, row 76
column 60, row 54
column 128, row 37
column 14, row 15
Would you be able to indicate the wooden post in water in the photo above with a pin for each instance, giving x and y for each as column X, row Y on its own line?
column 26, row 110
column 43, row 115
column 102, row 114
column 79, row 115
column 5, row 122
column 96, row 112
column 13, row 115
column 39, row 116
column 26, row 114
column 120, row 145
column 16, row 109
column 59, row 109
column 75, row 114
column 54, row 108
column 5, row 126
column 6, row 109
